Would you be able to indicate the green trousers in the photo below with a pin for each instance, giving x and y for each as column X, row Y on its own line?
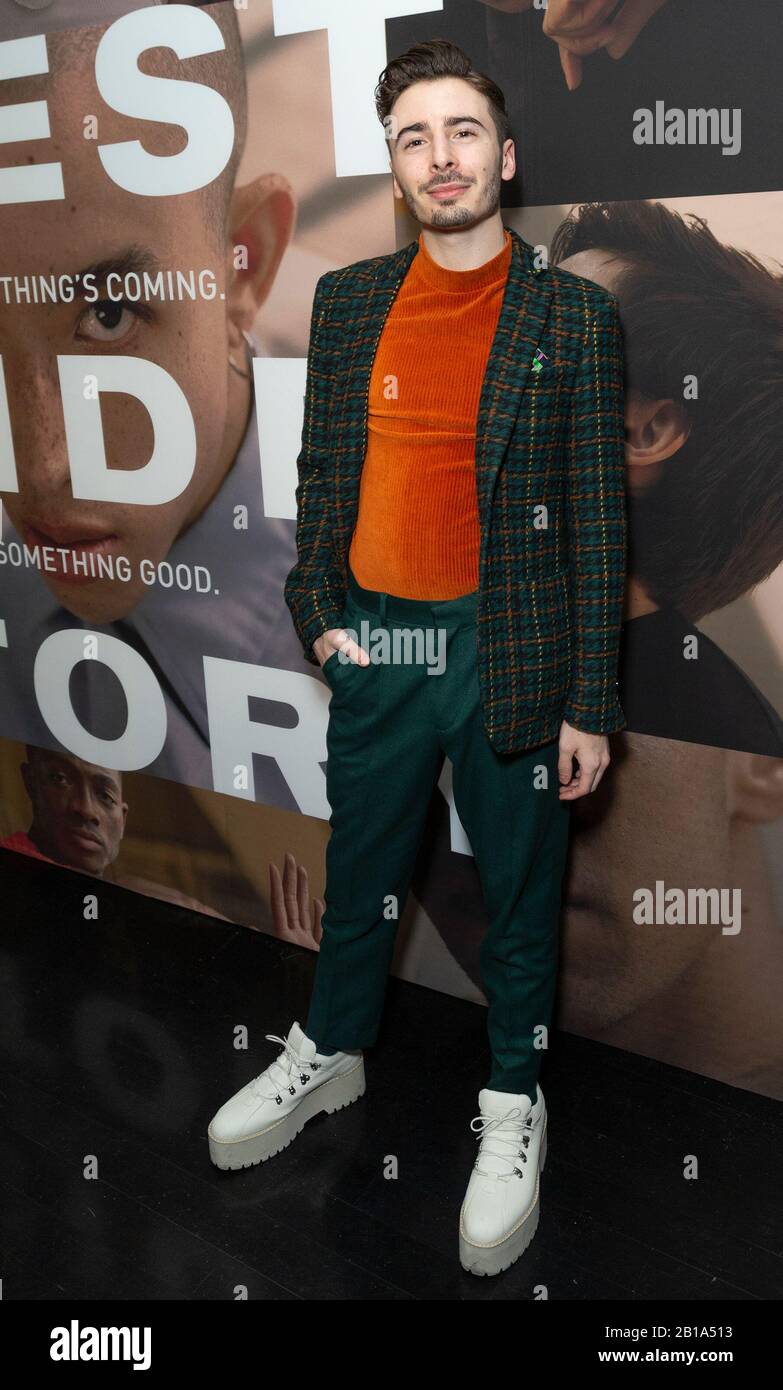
column 390, row 725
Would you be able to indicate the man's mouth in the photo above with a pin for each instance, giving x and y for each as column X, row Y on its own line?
column 55, row 533
column 86, row 839
column 447, row 190
column 79, row 539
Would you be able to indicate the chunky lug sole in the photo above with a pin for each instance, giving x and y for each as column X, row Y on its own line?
column 493, row 1259
column 339, row 1091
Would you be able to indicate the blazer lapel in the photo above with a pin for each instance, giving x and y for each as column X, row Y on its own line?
column 373, row 293
column 376, row 290
column 523, row 316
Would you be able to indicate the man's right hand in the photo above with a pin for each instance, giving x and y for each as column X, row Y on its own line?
column 336, row 639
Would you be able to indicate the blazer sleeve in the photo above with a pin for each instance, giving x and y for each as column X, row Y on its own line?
column 314, row 589
column 597, row 527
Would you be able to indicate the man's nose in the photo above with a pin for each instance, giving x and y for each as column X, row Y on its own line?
column 84, row 803
column 442, row 152
column 37, row 426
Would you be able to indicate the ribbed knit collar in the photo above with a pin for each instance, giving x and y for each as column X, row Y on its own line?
column 458, row 281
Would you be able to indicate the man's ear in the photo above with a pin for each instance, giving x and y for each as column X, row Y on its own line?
column 754, row 786
column 655, row 431
column 261, row 223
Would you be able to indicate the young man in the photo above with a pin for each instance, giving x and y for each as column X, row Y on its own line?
column 460, row 481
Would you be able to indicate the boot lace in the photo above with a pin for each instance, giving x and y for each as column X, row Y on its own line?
column 280, row 1073
column 495, row 1125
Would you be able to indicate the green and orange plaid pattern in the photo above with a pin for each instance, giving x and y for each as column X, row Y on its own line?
column 549, row 477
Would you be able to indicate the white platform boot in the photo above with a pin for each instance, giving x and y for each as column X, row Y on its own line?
column 266, row 1114
column 499, row 1215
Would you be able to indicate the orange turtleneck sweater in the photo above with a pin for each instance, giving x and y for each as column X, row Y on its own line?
column 417, row 529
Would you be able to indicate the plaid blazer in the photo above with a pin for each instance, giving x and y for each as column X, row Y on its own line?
column 549, row 479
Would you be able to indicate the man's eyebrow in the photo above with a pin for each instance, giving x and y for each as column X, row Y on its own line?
column 133, row 258
column 107, row 781
column 450, row 120
column 53, row 759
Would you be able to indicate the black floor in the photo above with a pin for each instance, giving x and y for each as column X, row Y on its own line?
column 117, row 1048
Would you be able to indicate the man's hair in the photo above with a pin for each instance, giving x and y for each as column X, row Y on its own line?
column 224, row 71
column 711, row 527
column 425, row 62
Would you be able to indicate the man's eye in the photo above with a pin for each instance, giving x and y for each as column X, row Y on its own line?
column 415, row 140
column 109, row 320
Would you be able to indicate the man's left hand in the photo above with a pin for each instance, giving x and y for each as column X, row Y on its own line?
column 592, row 755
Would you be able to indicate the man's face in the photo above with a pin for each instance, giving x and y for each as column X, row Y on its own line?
column 98, row 222
column 449, row 168
column 78, row 811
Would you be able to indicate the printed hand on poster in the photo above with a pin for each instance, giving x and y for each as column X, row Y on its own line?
column 292, row 910
column 581, row 27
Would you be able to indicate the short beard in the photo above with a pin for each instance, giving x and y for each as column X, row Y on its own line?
column 458, row 216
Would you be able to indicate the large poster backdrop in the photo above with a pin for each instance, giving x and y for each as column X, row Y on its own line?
column 173, row 181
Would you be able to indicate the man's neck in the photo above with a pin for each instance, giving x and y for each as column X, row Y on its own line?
column 465, row 248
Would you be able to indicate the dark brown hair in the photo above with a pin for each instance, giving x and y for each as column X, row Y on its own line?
column 438, row 58
column 711, row 526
